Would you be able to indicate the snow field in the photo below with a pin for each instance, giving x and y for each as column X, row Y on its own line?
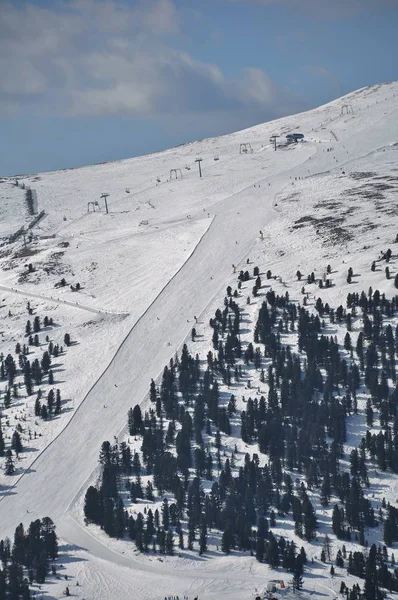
column 239, row 199
column 267, row 254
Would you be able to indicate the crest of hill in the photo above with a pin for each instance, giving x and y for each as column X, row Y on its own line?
column 64, row 194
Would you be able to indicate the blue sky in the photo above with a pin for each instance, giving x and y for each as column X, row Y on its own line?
column 85, row 81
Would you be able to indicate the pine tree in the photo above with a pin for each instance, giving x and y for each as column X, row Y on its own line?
column 92, row 506
column 50, row 401
column 136, row 464
column 337, row 525
column 325, row 491
column 36, row 324
column 16, row 443
column 49, row 538
column 169, row 543
column 388, row 535
column 327, row 546
column 109, row 517
column 46, row 361
column 37, row 407
column 227, row 539
column 260, row 539
column 165, row 514
column 347, row 342
column 58, row 404
column 135, row 421
column 339, row 559
column 369, row 413
column 370, row 587
column 203, row 536
column 9, row 467
column 2, row 444
column 309, row 519
column 152, row 391
column 149, row 495
column 272, row 552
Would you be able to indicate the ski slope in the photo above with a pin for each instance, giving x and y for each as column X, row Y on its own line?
column 223, row 213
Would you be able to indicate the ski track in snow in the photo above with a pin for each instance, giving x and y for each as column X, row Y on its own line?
column 59, row 301
column 73, row 454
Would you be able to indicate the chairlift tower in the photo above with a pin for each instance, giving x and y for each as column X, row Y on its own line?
column 105, row 196
column 273, row 139
column 199, row 160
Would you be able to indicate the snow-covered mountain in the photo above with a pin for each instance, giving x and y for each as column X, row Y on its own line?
column 164, row 254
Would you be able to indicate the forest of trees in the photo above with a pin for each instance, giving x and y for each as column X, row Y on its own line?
column 300, row 425
column 24, row 376
column 27, row 559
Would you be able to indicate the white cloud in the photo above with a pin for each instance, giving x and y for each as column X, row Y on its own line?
column 99, row 57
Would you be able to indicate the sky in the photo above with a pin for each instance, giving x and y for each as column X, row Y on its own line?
column 88, row 81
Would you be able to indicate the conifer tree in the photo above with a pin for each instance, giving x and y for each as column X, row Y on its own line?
column 272, row 552
column 37, row 407
column 227, row 539
column 169, row 543
column 46, row 362
column 203, row 535
column 9, row 466
column 92, row 506
column 2, row 444
column 16, row 443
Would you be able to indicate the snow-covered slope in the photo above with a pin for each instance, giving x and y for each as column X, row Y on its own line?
column 162, row 255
